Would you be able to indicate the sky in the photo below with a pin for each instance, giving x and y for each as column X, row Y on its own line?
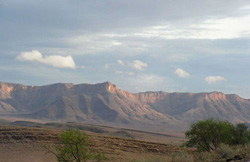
column 138, row 45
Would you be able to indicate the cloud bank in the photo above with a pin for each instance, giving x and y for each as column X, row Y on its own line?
column 181, row 73
column 214, row 79
column 53, row 60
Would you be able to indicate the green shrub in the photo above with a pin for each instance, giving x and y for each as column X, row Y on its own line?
column 208, row 135
column 73, row 146
column 240, row 134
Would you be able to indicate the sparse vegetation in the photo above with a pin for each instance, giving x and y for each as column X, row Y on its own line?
column 26, row 141
column 154, row 159
column 182, row 156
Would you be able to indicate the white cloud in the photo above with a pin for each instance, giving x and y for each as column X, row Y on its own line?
column 53, row 60
column 135, row 64
column 214, row 79
column 124, row 72
column 116, row 43
column 138, row 65
column 219, row 28
column 215, row 28
column 34, row 55
column 107, row 66
column 181, row 73
column 120, row 62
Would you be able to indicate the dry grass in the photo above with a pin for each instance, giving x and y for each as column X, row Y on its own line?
column 23, row 144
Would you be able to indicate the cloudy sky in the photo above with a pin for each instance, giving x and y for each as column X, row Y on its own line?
column 139, row 45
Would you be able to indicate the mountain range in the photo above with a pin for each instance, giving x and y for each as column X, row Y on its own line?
column 106, row 104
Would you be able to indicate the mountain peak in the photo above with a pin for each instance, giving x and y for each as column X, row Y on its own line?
column 110, row 87
column 108, row 83
column 69, row 85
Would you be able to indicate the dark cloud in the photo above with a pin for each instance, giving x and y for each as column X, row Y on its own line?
column 46, row 22
column 93, row 15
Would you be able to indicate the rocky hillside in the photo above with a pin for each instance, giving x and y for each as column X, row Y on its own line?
column 106, row 104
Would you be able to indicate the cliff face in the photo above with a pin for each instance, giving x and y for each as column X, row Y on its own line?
column 5, row 90
column 105, row 103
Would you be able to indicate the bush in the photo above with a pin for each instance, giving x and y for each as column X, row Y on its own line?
column 240, row 134
column 209, row 134
column 73, row 146
column 224, row 152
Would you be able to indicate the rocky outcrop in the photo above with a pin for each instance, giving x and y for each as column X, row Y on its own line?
column 5, row 90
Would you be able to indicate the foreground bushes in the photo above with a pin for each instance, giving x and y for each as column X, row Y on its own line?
column 223, row 153
column 214, row 141
column 217, row 140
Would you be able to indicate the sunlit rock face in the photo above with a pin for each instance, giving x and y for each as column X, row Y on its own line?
column 5, row 90
column 216, row 96
column 106, row 103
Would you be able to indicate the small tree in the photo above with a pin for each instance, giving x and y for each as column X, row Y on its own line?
column 240, row 134
column 73, row 146
column 207, row 135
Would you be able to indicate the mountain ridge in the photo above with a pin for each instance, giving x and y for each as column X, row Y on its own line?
column 106, row 103
column 114, row 87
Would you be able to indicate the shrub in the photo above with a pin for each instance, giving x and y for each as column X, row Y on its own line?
column 224, row 152
column 240, row 134
column 209, row 134
column 73, row 146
